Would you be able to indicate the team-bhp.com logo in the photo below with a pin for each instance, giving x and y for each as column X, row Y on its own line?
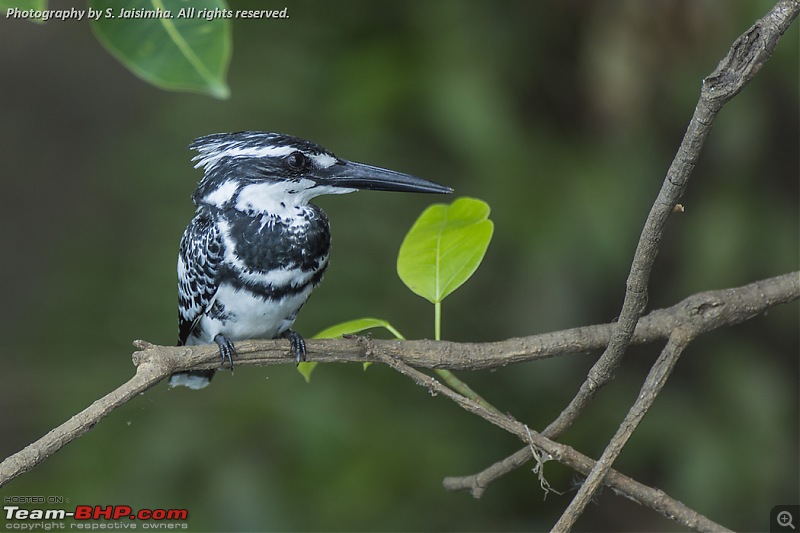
column 18, row 518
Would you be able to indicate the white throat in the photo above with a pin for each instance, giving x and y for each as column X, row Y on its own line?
column 274, row 197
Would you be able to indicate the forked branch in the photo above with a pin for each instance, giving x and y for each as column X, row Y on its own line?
column 706, row 311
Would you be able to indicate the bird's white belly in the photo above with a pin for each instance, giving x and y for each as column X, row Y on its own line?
column 247, row 316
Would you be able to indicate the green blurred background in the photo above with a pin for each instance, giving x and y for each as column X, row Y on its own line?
column 564, row 116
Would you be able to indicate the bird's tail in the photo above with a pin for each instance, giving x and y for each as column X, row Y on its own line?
column 194, row 379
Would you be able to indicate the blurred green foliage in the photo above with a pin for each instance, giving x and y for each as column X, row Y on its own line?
column 562, row 116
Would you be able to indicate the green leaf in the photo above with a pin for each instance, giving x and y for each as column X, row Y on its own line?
column 182, row 53
column 358, row 325
column 350, row 327
column 25, row 5
column 305, row 368
column 444, row 247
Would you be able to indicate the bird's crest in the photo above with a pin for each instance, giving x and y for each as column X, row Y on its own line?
column 215, row 148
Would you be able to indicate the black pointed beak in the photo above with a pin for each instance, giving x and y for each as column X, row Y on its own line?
column 352, row 175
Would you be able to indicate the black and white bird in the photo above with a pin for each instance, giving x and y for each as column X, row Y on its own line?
column 256, row 247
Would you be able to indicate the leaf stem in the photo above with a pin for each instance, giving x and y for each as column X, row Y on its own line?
column 465, row 390
column 448, row 377
column 437, row 321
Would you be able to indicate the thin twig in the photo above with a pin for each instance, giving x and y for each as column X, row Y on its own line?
column 653, row 498
column 147, row 374
column 477, row 484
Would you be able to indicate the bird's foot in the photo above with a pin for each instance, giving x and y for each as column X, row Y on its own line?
column 226, row 349
column 298, row 345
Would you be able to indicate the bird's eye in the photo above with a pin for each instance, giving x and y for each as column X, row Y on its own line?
column 297, row 160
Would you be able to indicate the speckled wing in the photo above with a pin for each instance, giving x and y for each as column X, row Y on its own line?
column 198, row 265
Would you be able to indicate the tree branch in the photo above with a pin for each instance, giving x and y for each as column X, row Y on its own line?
column 655, row 381
column 745, row 57
column 704, row 311
column 642, row 494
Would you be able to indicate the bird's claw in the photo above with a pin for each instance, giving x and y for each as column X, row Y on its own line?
column 226, row 349
column 298, row 345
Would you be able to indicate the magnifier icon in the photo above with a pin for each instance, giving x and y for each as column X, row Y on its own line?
column 785, row 519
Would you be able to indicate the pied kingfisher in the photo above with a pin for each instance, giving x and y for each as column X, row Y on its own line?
column 256, row 247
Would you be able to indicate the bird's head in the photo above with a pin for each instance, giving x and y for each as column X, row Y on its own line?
column 258, row 171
